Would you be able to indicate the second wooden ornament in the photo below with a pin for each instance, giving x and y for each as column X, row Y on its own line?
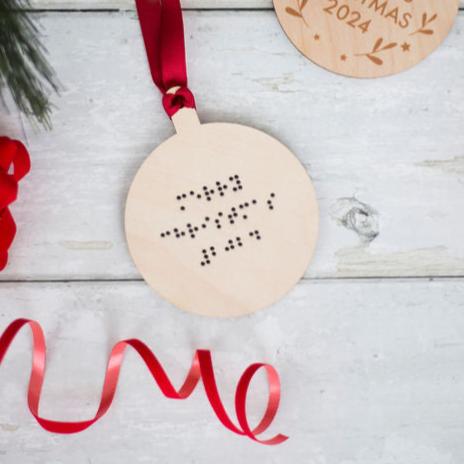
column 366, row 38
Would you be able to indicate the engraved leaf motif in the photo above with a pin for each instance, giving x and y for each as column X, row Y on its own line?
column 426, row 31
column 303, row 4
column 433, row 18
column 292, row 12
column 389, row 46
column 424, row 19
column 377, row 44
column 375, row 60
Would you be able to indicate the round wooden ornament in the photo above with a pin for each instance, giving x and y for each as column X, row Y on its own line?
column 221, row 219
column 366, row 38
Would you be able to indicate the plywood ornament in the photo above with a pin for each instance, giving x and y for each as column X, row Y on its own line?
column 221, row 219
column 366, row 38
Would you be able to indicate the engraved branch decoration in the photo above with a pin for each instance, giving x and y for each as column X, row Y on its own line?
column 378, row 48
column 299, row 11
column 425, row 22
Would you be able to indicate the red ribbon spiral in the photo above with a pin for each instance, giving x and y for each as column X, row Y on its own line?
column 163, row 34
column 202, row 368
column 14, row 165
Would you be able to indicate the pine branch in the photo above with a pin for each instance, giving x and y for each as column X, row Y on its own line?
column 23, row 65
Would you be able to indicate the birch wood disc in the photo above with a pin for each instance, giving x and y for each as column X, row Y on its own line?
column 366, row 38
column 221, row 220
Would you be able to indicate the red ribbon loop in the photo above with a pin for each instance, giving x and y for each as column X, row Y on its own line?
column 163, row 34
column 14, row 165
column 201, row 369
column 181, row 98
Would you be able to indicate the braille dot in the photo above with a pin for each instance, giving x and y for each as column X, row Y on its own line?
column 177, row 236
column 247, row 205
column 202, row 263
column 211, row 248
column 208, row 261
column 218, row 183
column 220, row 214
column 231, row 241
column 195, row 229
column 209, row 199
column 198, row 196
column 272, row 195
column 231, row 179
column 254, row 202
column 245, row 216
column 225, row 187
column 189, row 225
column 240, row 244
column 234, row 189
column 257, row 232
column 184, row 195
column 259, row 238
column 251, row 234
column 232, row 247
column 176, row 229
column 168, row 233
column 182, row 233
column 203, row 226
column 216, row 221
column 162, row 235
column 218, row 226
column 221, row 194
column 271, row 207
column 214, row 253
column 236, row 176
column 205, row 187
column 182, row 208
column 211, row 192
column 192, row 236
column 206, row 218
column 232, row 222
column 226, row 248
column 203, row 251
column 179, row 197
column 234, row 209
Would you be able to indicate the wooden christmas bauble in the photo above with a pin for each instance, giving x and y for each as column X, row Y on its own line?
column 221, row 219
column 366, row 38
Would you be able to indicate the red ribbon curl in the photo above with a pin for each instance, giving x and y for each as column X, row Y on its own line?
column 14, row 165
column 201, row 368
column 163, row 34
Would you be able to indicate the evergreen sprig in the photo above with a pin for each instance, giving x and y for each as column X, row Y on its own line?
column 24, row 68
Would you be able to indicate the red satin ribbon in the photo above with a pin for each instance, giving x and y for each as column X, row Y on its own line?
column 163, row 33
column 14, row 165
column 202, row 368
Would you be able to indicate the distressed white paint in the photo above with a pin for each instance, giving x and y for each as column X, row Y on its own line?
column 371, row 373
column 371, row 369
column 129, row 4
column 392, row 147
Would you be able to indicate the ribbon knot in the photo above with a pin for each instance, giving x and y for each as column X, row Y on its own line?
column 14, row 165
column 181, row 98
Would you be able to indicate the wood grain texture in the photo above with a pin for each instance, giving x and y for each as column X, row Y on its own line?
column 371, row 373
column 385, row 155
column 221, row 219
column 129, row 4
column 366, row 39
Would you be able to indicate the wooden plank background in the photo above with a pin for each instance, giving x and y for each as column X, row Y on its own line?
column 369, row 345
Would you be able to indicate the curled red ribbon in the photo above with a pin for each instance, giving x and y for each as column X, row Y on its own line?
column 201, row 368
column 163, row 34
column 14, row 165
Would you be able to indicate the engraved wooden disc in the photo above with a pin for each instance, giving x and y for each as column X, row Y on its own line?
column 366, row 38
column 221, row 219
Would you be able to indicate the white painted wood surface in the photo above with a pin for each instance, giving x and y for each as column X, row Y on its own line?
column 385, row 155
column 371, row 373
column 129, row 4
column 371, row 368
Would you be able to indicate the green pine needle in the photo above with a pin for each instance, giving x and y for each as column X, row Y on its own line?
column 23, row 66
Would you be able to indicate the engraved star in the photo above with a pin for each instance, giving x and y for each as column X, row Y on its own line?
column 343, row 57
column 406, row 47
column 317, row 37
